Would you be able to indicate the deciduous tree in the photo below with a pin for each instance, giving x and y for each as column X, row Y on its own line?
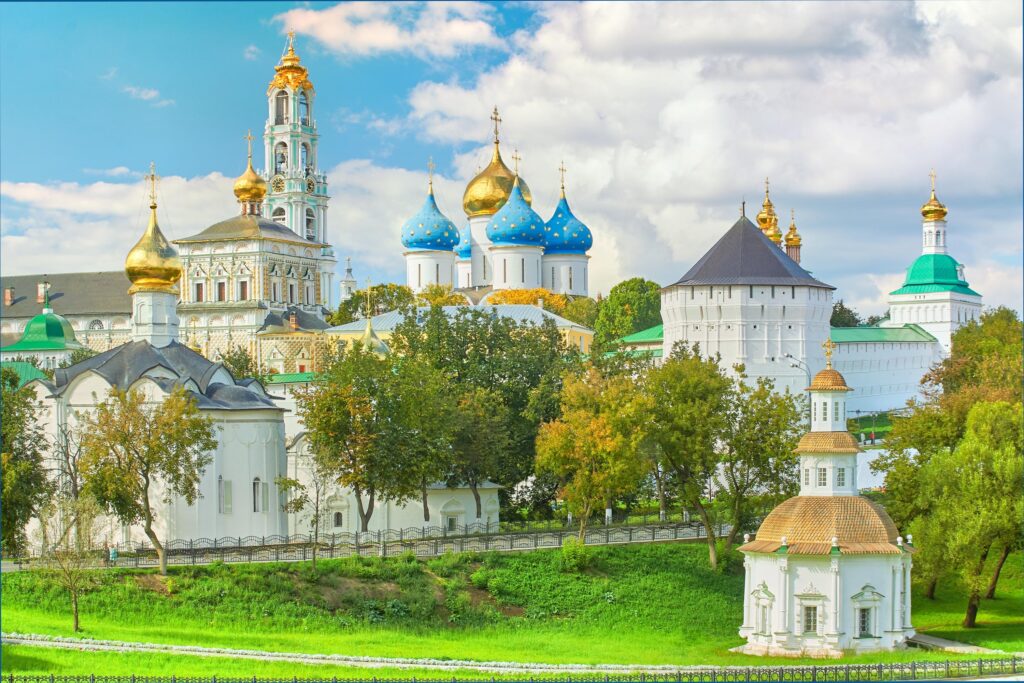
column 137, row 454
column 844, row 316
column 582, row 310
column 552, row 302
column 68, row 528
column 241, row 364
column 631, row 306
column 440, row 295
column 307, row 496
column 22, row 444
column 383, row 297
column 481, row 439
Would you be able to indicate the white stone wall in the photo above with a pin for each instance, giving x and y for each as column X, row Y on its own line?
column 516, row 267
column 939, row 313
column 425, row 268
column 883, row 375
column 481, row 265
column 463, row 273
column 566, row 273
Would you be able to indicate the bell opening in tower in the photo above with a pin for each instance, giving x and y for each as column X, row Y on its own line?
column 281, row 108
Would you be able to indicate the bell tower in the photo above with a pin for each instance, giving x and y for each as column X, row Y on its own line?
column 297, row 195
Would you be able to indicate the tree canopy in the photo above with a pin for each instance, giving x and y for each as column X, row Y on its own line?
column 22, row 446
column 552, row 302
column 631, row 306
column 383, row 297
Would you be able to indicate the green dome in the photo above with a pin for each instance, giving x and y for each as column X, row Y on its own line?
column 45, row 332
column 934, row 273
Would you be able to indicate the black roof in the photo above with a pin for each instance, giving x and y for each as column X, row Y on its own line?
column 124, row 365
column 281, row 322
column 745, row 256
column 70, row 294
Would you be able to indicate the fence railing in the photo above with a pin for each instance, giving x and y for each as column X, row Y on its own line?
column 827, row 673
column 432, row 542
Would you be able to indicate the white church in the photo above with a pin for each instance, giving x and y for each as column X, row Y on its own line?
column 828, row 572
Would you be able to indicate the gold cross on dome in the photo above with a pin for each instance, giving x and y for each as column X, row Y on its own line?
column 932, row 176
column 430, row 171
column 249, row 138
column 829, row 345
column 291, row 40
column 497, row 120
column 766, row 186
column 152, row 183
column 561, row 172
column 516, row 159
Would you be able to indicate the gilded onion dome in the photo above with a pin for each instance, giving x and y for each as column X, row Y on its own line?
column 566, row 234
column 430, row 229
column 490, row 189
column 764, row 217
column 153, row 265
column 516, row 223
column 464, row 249
column 290, row 73
column 933, row 209
column 793, row 238
column 250, row 186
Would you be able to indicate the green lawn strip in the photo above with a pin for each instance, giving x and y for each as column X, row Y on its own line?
column 649, row 604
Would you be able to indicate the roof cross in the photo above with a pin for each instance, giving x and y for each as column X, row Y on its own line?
column 152, row 184
column 515, row 160
column 430, row 173
column 932, row 176
column 829, row 345
column 249, row 138
column 497, row 120
column 561, row 172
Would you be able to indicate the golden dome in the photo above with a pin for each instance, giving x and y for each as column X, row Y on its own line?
column 828, row 380
column 810, row 523
column 767, row 213
column 289, row 73
column 792, row 236
column 250, row 187
column 152, row 264
column 933, row 209
column 489, row 190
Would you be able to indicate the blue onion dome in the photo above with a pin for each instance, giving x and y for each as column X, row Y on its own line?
column 430, row 229
column 566, row 234
column 516, row 223
column 464, row 249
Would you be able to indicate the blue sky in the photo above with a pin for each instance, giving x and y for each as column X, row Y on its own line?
column 667, row 116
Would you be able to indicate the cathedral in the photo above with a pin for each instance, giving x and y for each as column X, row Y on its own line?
column 505, row 244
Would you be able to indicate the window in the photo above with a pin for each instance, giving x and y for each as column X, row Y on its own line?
column 338, row 519
column 814, row 409
column 243, row 290
column 522, row 270
column 822, row 476
column 310, row 225
column 96, row 325
column 291, row 293
column 764, row 624
column 552, row 277
column 281, row 107
column 222, row 291
column 810, row 619
column 864, row 622
column 504, row 270
column 841, row 476
column 309, row 295
column 437, row 273
column 835, row 409
column 280, row 157
column 419, row 275
column 824, row 411
column 773, row 291
column 570, row 278
column 260, row 495
column 451, row 523
column 199, row 292
column 275, row 295
column 223, row 496
column 485, row 267
column 807, row 477
column 305, row 159
column 278, row 215
column 304, row 109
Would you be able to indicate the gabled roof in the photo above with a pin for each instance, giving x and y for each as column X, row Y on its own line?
column 247, row 228
column 70, row 294
column 863, row 334
column 280, row 323
column 744, row 256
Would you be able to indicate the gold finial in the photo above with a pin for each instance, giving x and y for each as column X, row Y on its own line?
column 766, row 188
column 291, row 42
column 933, row 209
column 497, row 120
column 561, row 173
column 932, row 176
column 515, row 161
column 249, row 138
column 249, row 187
column 152, row 185
column 430, row 174
column 829, row 345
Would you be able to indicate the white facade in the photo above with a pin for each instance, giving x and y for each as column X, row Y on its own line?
column 516, row 266
column 565, row 273
column 940, row 313
column 481, row 262
column 884, row 374
column 429, row 267
column 463, row 273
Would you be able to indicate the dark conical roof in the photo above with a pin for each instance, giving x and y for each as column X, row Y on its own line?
column 745, row 256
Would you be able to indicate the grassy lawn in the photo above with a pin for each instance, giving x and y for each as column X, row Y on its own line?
column 644, row 604
column 881, row 424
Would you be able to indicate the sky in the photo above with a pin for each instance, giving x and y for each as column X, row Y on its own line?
column 666, row 115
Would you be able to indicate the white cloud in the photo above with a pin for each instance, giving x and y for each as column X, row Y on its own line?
column 426, row 30
column 251, row 52
column 151, row 95
column 116, row 172
column 109, row 74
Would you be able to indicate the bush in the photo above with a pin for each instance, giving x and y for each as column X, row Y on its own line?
column 730, row 561
column 575, row 556
column 480, row 577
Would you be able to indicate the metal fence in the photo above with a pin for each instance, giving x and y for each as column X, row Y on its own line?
column 428, row 542
column 900, row 671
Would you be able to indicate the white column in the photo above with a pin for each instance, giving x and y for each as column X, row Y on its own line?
column 836, row 596
column 746, row 593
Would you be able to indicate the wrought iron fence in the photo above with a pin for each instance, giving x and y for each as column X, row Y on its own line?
column 826, row 673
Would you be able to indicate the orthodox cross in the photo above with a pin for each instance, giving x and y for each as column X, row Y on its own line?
column 828, row 346
column 497, row 120
column 249, row 138
column 369, row 299
column 430, row 173
column 766, row 186
column 561, row 172
column 291, row 41
column 152, row 184
column 932, row 176
column 516, row 159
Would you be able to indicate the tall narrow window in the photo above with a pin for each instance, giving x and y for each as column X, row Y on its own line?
column 814, row 410
column 810, row 619
column 304, row 109
column 584, row 279
column 835, row 409
column 570, row 278
column 522, row 270
column 864, row 622
column 504, row 270
column 223, row 496
column 291, row 293
column 257, row 495
column 199, row 292
column 552, row 278
column 310, row 225
column 822, row 476
column 243, row 290
column 222, row 291
column 338, row 520
column 280, row 157
column 419, row 275
column 278, row 216
column 807, row 477
column 281, row 107
column 276, row 293
column 824, row 410
column 841, row 476
column 437, row 273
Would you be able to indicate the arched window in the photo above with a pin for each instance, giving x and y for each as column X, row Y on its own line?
column 278, row 215
column 260, row 493
column 338, row 519
column 96, row 325
column 310, row 225
column 307, row 160
column 280, row 157
column 304, row 109
column 281, row 107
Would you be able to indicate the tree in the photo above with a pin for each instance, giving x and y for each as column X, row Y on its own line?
column 481, row 439
column 136, row 454
column 986, row 352
column 25, row 484
column 593, row 447
column 552, row 302
column 440, row 295
column 300, row 497
column 76, row 357
column 631, row 306
column 67, row 475
column 582, row 310
column 688, row 399
column 67, row 558
column 383, row 297
column 241, row 364
column 758, row 462
column 844, row 316
column 976, row 489
column 875, row 318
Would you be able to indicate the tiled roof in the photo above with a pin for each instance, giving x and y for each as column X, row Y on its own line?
column 744, row 256
column 867, row 334
column 809, row 523
column 70, row 294
column 828, row 379
column 827, row 442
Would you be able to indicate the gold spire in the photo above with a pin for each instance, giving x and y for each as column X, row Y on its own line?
column 250, row 187
column 430, row 175
column 193, row 343
column 561, row 173
column 153, row 265
column 792, row 236
column 489, row 189
column 290, row 73
column 933, row 209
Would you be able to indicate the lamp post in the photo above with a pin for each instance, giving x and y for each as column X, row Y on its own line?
column 800, row 365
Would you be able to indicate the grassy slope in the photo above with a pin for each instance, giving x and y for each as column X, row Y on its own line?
column 655, row 604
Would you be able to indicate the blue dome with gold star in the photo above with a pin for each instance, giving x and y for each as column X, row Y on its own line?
column 515, row 223
column 464, row 249
column 429, row 229
column 566, row 234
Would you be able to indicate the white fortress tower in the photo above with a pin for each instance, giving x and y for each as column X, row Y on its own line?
column 827, row 573
column 298, row 189
column 748, row 301
column 935, row 295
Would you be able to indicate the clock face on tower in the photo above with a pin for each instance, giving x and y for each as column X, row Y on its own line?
column 310, row 185
column 277, row 183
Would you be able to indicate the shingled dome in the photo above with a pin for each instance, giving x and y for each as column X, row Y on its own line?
column 744, row 256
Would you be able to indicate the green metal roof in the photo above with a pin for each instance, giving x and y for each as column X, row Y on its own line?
column 934, row 273
column 290, row 377
column 649, row 336
column 26, row 371
column 46, row 332
column 906, row 333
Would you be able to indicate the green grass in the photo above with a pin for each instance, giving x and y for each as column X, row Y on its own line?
column 644, row 604
column 881, row 424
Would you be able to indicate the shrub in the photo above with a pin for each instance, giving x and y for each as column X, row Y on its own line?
column 730, row 560
column 575, row 556
column 480, row 577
